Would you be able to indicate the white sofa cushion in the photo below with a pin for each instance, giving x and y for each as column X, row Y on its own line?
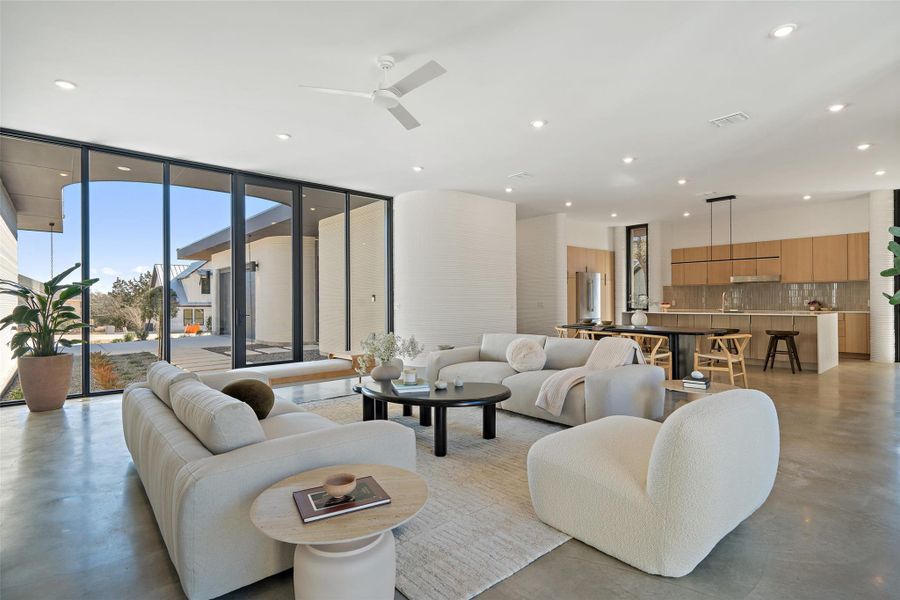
column 162, row 375
column 525, row 355
column 565, row 353
column 493, row 345
column 525, row 387
column 478, row 372
column 292, row 423
column 220, row 422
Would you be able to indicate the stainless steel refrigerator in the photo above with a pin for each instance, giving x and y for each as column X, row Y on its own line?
column 587, row 293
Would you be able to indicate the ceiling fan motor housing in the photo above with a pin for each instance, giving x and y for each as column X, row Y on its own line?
column 385, row 98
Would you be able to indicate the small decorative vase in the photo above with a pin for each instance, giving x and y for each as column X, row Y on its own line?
column 639, row 318
column 388, row 371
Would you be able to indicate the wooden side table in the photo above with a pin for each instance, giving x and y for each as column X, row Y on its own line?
column 348, row 556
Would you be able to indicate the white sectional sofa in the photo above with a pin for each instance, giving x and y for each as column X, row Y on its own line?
column 204, row 457
column 634, row 390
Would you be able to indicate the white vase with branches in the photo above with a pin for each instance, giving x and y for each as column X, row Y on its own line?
column 382, row 352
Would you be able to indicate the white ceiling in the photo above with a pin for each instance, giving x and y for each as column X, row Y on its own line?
column 214, row 82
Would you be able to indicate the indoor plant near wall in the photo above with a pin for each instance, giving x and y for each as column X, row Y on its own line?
column 894, row 271
column 384, row 350
column 40, row 319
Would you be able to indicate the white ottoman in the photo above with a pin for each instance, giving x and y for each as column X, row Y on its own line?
column 659, row 496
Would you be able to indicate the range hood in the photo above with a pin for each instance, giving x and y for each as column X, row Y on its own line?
column 755, row 278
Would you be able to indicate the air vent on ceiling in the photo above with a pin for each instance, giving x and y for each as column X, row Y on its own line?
column 519, row 175
column 731, row 119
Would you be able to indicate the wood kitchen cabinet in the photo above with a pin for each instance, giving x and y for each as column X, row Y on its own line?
column 678, row 274
column 768, row 266
column 743, row 267
column 830, row 258
column 858, row 256
column 697, row 254
column 720, row 252
column 797, row 260
column 747, row 250
column 718, row 272
column 856, row 334
column 677, row 255
column 770, row 249
column 695, row 273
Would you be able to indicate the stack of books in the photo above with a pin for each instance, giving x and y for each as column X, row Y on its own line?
column 419, row 387
column 696, row 384
column 315, row 503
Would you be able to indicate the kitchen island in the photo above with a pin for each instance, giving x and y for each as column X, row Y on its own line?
column 817, row 343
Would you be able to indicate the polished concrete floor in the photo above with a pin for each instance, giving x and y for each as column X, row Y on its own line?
column 76, row 523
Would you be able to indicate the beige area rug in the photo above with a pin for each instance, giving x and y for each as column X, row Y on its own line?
column 478, row 526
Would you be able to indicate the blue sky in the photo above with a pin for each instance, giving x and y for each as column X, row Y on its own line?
column 126, row 228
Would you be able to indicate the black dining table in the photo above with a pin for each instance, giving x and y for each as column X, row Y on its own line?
column 682, row 340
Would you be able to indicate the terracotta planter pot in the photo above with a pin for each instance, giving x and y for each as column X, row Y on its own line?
column 45, row 380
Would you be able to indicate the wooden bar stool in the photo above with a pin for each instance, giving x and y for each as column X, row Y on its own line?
column 777, row 335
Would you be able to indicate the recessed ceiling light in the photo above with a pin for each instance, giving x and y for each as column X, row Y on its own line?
column 613, row 215
column 538, row 123
column 783, row 31
column 312, row 208
column 807, row 197
column 880, row 172
column 686, row 214
column 569, row 203
column 124, row 168
column 65, row 85
column 864, row 146
column 682, row 181
column 628, row 160
column 283, row 136
column 63, row 174
column 274, row 222
column 836, row 108
column 304, row 195
column 417, row 169
column 508, row 190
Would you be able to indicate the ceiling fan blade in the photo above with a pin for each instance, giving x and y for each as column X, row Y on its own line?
column 338, row 92
column 419, row 77
column 402, row 115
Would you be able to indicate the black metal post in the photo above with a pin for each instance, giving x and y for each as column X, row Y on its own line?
column 85, row 270
column 297, row 270
column 165, row 326
column 238, row 274
column 346, row 271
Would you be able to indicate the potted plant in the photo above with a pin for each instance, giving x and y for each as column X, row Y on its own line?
column 41, row 318
column 894, row 271
column 384, row 350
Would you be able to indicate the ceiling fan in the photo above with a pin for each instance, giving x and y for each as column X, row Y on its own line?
column 388, row 96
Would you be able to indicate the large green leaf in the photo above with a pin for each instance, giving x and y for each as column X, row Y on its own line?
column 895, row 299
column 894, row 247
column 69, row 292
column 894, row 231
column 20, row 351
column 55, row 281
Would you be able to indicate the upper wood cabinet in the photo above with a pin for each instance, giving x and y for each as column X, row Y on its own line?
column 697, row 254
column 678, row 274
column 797, row 260
column 695, row 273
column 718, row 272
column 830, row 258
column 720, row 252
column 747, row 250
column 743, row 267
column 858, row 256
column 767, row 266
column 677, row 255
column 770, row 249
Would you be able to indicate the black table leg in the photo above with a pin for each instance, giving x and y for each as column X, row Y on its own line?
column 425, row 416
column 489, row 422
column 440, row 431
column 673, row 348
column 381, row 410
column 368, row 408
column 407, row 410
column 684, row 364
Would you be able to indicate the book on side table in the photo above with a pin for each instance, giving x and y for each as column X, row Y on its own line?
column 420, row 386
column 697, row 384
column 315, row 504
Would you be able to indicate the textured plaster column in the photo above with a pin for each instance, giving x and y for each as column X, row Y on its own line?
column 881, row 319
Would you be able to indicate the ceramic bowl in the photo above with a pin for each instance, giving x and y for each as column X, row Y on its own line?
column 340, row 485
column 440, row 384
column 606, row 323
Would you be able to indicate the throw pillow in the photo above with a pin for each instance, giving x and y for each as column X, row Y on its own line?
column 525, row 354
column 253, row 392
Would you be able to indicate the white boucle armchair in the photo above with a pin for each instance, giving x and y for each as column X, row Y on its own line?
column 659, row 496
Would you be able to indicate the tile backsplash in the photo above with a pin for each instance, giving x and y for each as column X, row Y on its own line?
column 849, row 295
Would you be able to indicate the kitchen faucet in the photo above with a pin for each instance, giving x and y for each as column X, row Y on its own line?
column 724, row 301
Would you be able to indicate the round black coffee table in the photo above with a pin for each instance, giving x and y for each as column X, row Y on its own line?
column 376, row 396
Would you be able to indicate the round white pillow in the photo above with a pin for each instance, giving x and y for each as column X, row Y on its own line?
column 524, row 354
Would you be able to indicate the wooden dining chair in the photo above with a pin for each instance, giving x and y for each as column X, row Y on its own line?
column 562, row 332
column 590, row 334
column 727, row 351
column 655, row 348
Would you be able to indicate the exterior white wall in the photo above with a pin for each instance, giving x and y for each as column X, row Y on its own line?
column 586, row 233
column 454, row 267
column 541, row 273
column 273, row 310
column 332, row 328
column 310, row 295
column 219, row 260
column 367, row 272
column 882, row 314
column 9, row 269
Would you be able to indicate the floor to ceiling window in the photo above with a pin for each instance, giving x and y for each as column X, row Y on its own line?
column 302, row 243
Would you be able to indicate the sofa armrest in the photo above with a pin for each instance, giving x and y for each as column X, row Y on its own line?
column 635, row 390
column 212, row 498
column 219, row 380
column 439, row 359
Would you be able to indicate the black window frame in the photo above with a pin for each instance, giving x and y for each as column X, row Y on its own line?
column 238, row 176
column 628, row 270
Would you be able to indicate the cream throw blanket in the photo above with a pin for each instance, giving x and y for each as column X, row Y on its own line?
column 609, row 353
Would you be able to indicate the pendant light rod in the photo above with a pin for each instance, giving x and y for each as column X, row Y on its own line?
column 721, row 199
